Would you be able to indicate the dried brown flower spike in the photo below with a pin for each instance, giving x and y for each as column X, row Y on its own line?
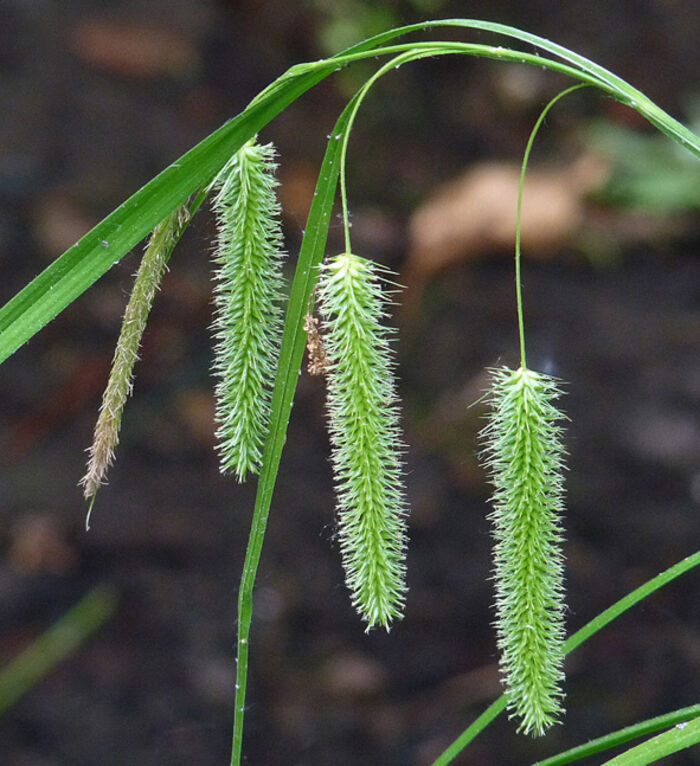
column 315, row 348
column 164, row 237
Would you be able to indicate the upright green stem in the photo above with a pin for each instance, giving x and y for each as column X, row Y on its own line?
column 526, row 157
column 291, row 354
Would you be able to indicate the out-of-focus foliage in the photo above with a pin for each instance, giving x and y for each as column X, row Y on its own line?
column 648, row 171
column 347, row 21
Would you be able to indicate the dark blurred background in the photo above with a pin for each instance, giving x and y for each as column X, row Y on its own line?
column 97, row 98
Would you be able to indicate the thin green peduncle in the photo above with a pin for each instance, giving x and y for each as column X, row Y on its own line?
column 395, row 63
column 526, row 157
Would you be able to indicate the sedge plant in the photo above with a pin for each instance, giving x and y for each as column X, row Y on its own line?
column 259, row 358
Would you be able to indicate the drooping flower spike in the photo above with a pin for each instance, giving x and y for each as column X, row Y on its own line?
column 366, row 441
column 120, row 383
column 525, row 459
column 247, row 326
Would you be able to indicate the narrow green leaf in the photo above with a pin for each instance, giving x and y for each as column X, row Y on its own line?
column 58, row 642
column 681, row 736
column 622, row 90
column 619, row 737
column 74, row 271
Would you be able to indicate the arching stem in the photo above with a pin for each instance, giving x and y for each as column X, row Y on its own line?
column 518, row 215
column 395, row 63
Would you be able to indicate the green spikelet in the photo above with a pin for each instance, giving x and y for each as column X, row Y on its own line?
column 106, row 438
column 525, row 458
column 247, row 324
column 366, row 441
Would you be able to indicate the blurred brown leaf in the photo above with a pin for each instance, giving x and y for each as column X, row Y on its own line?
column 352, row 674
column 196, row 408
column 474, row 214
column 78, row 389
column 59, row 221
column 38, row 545
column 296, row 189
column 134, row 48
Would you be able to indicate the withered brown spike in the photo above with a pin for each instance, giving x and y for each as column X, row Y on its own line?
column 120, row 383
column 318, row 362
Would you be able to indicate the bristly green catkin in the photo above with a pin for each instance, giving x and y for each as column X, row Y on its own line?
column 525, row 458
column 247, row 326
column 365, row 436
column 119, row 385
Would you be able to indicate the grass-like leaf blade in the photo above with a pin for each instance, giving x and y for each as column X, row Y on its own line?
column 610, row 82
column 680, row 737
column 46, row 652
column 619, row 737
column 74, row 271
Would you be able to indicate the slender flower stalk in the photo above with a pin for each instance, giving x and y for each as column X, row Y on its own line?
column 247, row 326
column 120, row 384
column 524, row 455
column 365, row 436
